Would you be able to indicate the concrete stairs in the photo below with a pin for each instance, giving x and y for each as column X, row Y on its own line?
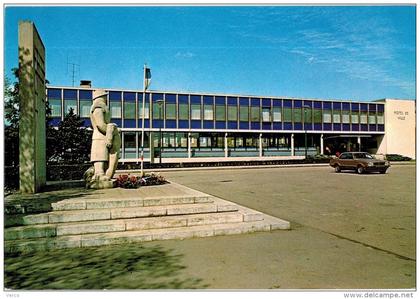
column 104, row 220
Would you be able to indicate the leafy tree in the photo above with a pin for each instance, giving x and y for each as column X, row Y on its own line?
column 11, row 121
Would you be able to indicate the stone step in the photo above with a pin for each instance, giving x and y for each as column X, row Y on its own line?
column 100, row 239
column 118, row 213
column 89, row 227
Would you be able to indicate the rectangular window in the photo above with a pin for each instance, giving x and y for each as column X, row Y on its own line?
column 85, row 108
column 181, row 140
column 276, row 113
column 183, row 111
column 195, row 111
column 208, row 112
column 287, row 114
column 354, row 117
column 232, row 113
column 55, row 106
column 372, row 118
column 336, row 116
column 380, row 118
column 115, row 109
column 363, row 117
column 146, row 110
column 266, row 114
column 220, row 112
column 244, row 113
column 346, row 117
column 157, row 111
column 70, row 104
column 255, row 114
column 317, row 116
column 129, row 110
column 308, row 115
column 170, row 111
column 326, row 116
column 297, row 115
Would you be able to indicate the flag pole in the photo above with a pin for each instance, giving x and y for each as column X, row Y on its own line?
column 142, row 121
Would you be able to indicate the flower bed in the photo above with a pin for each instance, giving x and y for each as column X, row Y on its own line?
column 128, row 181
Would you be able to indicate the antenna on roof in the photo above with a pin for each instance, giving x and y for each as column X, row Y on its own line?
column 74, row 69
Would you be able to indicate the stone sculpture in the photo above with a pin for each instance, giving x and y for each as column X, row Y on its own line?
column 106, row 142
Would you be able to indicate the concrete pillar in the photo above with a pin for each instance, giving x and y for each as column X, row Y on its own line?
column 189, row 145
column 32, row 135
column 292, row 144
column 152, row 147
column 359, row 142
column 260, row 146
column 226, row 146
column 322, row 144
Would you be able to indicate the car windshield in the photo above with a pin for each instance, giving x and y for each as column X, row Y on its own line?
column 362, row 156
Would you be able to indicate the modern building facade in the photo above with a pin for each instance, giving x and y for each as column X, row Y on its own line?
column 194, row 126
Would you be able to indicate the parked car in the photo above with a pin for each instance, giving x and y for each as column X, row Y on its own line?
column 360, row 162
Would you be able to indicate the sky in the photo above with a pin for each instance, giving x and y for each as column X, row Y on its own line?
column 327, row 52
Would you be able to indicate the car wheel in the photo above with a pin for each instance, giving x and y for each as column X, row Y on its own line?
column 382, row 171
column 360, row 169
column 337, row 168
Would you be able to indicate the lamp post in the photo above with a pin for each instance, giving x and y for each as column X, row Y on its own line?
column 305, row 107
column 160, row 103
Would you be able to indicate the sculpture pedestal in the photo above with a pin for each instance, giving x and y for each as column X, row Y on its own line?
column 101, row 184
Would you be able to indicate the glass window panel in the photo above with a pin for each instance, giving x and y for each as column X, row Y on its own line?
column 355, row 117
column 244, row 113
column 129, row 110
column 346, row 117
column 372, row 117
column 363, row 117
column 276, row 113
column 183, row 111
column 170, row 111
column 181, row 140
column 297, row 115
column 55, row 106
column 317, row 116
column 287, row 114
column 231, row 142
column 157, row 111
column 220, row 112
column 380, row 118
column 115, row 109
column 326, row 117
column 208, row 112
column 308, row 115
column 146, row 110
column 69, row 104
column 85, row 108
column 232, row 113
column 194, row 140
column 195, row 111
column 266, row 114
column 255, row 113
column 336, row 116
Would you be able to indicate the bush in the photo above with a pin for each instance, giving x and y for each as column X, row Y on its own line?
column 396, row 157
column 63, row 172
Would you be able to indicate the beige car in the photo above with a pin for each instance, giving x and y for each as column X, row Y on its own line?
column 360, row 162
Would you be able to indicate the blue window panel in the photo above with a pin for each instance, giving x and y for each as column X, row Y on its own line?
column 337, row 127
column 244, row 125
column 243, row 101
column 266, row 126
column 355, row 127
column 170, row 124
column 318, row 127
column 140, row 97
column 85, row 94
column 129, row 123
column 318, row 105
column 363, row 107
column 287, row 103
column 220, row 125
column 372, row 127
column 196, row 124
column 116, row 121
column 336, row 106
column 70, row 94
column 86, row 122
column 208, row 100
column 55, row 121
column 266, row 102
column 327, row 127
column 157, row 123
column 232, row 101
column 307, row 103
column 276, row 103
column 297, row 126
column 363, row 127
column 183, row 99
column 297, row 103
column 170, row 98
column 276, row 126
column 157, row 96
column 380, row 108
column 346, row 106
column 129, row 96
column 287, row 126
column 146, row 123
column 346, row 127
column 255, row 126
column 208, row 124
column 372, row 107
column 232, row 125
column 195, row 99
column 326, row 105
column 220, row 101
column 308, row 127
column 183, row 124
column 54, row 93
column 115, row 96
column 255, row 102
column 354, row 106
column 381, row 128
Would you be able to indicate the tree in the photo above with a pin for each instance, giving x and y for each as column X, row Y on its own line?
column 11, row 121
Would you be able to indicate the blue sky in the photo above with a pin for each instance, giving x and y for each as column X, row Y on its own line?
column 359, row 53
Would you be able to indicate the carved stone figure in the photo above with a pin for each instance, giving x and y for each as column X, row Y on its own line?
column 106, row 142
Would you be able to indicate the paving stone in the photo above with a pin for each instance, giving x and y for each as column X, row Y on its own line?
column 138, row 212
column 84, row 215
column 191, row 209
column 249, row 217
column 90, row 227
column 155, row 222
column 115, row 238
column 182, row 233
column 229, row 229
column 228, row 217
column 69, row 205
column 109, row 204
column 227, row 207
column 168, row 201
column 203, row 199
column 28, row 232
column 13, row 220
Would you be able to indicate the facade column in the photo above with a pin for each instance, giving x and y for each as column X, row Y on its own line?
column 359, row 142
column 137, row 147
column 189, row 145
column 226, row 146
column 292, row 144
column 122, row 145
column 260, row 146
column 322, row 144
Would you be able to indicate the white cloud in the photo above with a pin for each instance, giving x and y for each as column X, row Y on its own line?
column 184, row 55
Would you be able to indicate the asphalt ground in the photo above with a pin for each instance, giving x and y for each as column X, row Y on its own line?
column 348, row 232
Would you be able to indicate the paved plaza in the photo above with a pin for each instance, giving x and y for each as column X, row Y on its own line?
column 348, row 231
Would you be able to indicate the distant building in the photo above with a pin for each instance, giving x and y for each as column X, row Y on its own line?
column 212, row 127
